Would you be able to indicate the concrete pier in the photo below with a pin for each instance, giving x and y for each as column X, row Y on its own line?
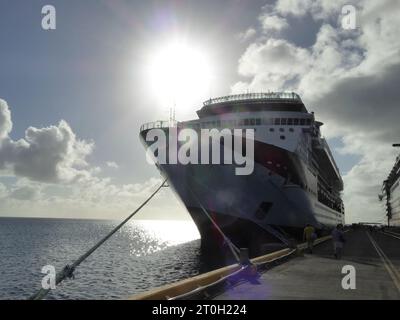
column 374, row 255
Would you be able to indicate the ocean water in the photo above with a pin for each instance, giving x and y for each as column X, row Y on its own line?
column 142, row 255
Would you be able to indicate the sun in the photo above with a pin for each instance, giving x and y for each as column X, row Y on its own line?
column 179, row 74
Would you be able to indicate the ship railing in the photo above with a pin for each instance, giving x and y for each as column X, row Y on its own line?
column 328, row 150
column 158, row 125
column 255, row 96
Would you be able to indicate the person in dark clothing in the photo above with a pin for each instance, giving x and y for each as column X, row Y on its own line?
column 338, row 241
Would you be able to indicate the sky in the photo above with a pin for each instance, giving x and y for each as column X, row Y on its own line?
column 73, row 98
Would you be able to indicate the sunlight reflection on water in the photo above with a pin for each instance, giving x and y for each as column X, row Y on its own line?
column 143, row 254
column 172, row 232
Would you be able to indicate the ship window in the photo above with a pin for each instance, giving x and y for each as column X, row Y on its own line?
column 290, row 122
column 302, row 122
column 268, row 121
column 277, row 121
column 253, row 122
column 281, row 130
column 291, row 129
column 308, row 122
column 271, row 129
column 258, row 121
column 283, row 121
column 218, row 123
column 246, row 122
column 296, row 122
column 283, row 137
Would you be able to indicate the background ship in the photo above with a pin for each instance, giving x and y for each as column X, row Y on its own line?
column 391, row 194
column 295, row 179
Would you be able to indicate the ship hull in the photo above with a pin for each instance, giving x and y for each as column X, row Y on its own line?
column 244, row 206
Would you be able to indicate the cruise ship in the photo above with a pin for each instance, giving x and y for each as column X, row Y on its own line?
column 295, row 180
column 391, row 194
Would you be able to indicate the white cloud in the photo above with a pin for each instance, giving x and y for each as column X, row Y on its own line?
column 363, row 182
column 293, row 7
column 319, row 9
column 112, row 164
column 5, row 120
column 93, row 198
column 350, row 78
column 272, row 64
column 53, row 178
column 3, row 191
column 25, row 193
column 51, row 154
column 247, row 35
column 273, row 22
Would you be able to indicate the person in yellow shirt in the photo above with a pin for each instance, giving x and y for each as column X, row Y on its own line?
column 309, row 236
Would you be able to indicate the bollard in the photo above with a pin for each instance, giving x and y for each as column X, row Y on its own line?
column 251, row 270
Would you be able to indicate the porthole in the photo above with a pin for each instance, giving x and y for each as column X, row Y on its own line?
column 282, row 137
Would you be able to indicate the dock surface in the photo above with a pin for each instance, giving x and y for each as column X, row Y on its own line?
column 374, row 255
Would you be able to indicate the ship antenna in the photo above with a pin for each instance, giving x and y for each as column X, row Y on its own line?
column 172, row 112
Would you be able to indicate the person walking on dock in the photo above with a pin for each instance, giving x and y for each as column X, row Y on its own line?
column 338, row 241
column 309, row 236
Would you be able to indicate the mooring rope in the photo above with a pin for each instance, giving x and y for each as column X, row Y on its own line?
column 68, row 270
column 235, row 250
